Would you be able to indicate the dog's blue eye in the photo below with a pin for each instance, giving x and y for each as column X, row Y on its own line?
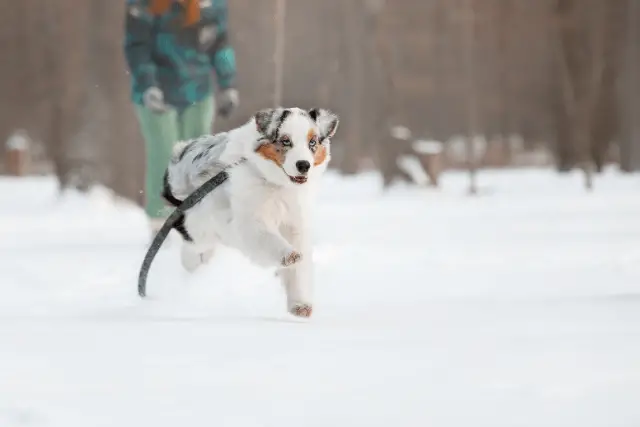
column 313, row 142
column 285, row 141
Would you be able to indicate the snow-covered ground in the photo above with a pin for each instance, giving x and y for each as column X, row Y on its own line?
column 520, row 307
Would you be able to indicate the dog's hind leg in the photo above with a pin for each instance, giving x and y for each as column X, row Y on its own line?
column 201, row 243
column 193, row 256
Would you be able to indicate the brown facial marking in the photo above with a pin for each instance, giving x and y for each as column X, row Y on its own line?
column 320, row 155
column 271, row 152
column 311, row 134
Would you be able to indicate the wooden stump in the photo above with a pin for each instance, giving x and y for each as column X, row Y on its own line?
column 430, row 154
column 17, row 155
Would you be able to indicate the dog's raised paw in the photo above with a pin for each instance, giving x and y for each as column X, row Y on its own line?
column 301, row 310
column 291, row 258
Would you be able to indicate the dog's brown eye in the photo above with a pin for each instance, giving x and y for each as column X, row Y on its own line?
column 285, row 141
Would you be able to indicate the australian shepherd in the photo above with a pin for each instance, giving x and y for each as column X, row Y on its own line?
column 264, row 208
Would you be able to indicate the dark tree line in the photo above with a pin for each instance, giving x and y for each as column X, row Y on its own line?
column 559, row 72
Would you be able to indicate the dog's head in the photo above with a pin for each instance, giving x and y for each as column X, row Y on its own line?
column 295, row 143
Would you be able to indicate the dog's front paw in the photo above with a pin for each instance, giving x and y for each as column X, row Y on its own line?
column 301, row 310
column 291, row 258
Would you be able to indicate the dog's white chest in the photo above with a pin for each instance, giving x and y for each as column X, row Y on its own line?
column 275, row 211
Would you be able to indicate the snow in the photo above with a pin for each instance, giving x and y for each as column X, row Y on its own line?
column 411, row 165
column 401, row 132
column 17, row 141
column 519, row 307
column 424, row 146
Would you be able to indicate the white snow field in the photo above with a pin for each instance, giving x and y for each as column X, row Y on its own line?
column 517, row 308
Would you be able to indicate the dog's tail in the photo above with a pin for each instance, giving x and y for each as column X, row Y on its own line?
column 174, row 219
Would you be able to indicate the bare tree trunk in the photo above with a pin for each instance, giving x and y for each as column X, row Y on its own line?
column 118, row 141
column 388, row 149
column 605, row 124
column 66, row 52
column 57, row 140
column 629, row 92
column 12, row 48
column 279, row 51
column 354, row 25
column 504, row 128
column 472, row 102
column 581, row 29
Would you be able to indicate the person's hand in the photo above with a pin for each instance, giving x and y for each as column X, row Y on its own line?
column 227, row 101
column 153, row 99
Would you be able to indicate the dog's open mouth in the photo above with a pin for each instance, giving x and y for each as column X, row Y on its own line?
column 300, row 179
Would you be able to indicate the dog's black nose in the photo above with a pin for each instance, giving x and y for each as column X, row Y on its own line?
column 303, row 166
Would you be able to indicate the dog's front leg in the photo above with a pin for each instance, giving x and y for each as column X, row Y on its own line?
column 264, row 245
column 298, row 280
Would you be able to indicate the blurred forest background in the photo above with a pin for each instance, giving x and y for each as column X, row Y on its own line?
column 486, row 83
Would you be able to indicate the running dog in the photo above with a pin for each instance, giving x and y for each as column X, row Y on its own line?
column 264, row 209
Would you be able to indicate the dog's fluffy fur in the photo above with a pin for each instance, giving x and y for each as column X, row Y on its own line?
column 264, row 208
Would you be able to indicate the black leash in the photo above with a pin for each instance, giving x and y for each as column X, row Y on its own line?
column 175, row 216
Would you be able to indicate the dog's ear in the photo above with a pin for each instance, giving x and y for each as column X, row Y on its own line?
column 327, row 121
column 263, row 119
column 314, row 113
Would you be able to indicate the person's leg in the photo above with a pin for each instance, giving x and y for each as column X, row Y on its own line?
column 160, row 132
column 197, row 119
